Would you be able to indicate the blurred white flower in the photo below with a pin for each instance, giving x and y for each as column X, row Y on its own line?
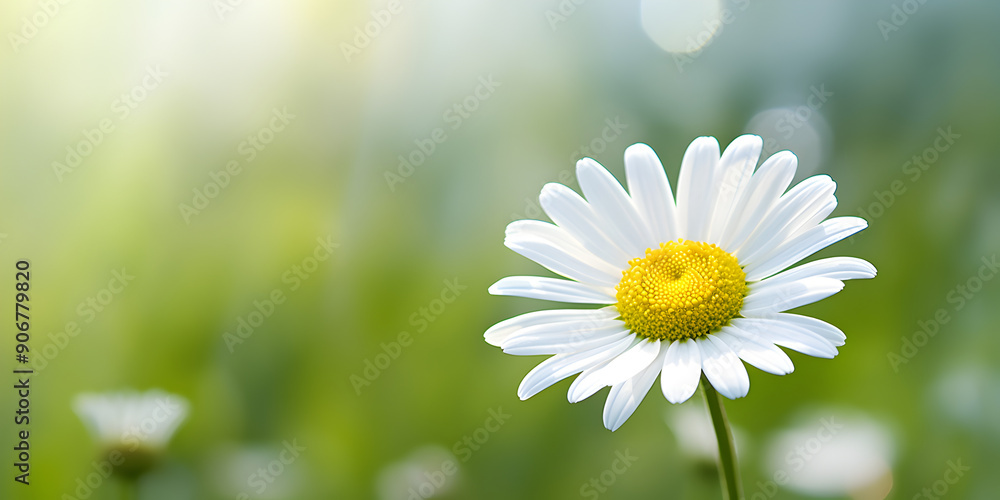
column 146, row 419
column 132, row 427
column 683, row 27
column 834, row 454
column 428, row 472
column 259, row 471
column 692, row 428
column 969, row 395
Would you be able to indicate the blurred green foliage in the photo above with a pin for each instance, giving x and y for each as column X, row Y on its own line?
column 325, row 174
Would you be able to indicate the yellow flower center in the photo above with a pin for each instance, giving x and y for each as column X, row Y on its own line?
column 681, row 290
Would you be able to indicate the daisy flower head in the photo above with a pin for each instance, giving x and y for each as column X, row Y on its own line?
column 690, row 285
column 135, row 427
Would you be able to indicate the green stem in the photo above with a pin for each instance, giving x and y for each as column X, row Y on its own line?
column 729, row 470
column 129, row 489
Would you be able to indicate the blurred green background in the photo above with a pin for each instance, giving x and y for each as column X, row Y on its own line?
column 487, row 101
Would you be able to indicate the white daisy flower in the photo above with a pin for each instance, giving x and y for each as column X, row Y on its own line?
column 692, row 285
column 135, row 426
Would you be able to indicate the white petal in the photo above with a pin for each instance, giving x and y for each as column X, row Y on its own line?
column 761, row 194
column 504, row 329
column 769, row 299
column 651, row 194
column 536, row 229
column 612, row 204
column 818, row 213
column 838, row 268
column 681, row 371
column 735, row 171
column 536, row 287
column 694, row 187
column 764, row 355
column 630, row 362
column 723, row 368
column 625, row 397
column 561, row 366
column 572, row 213
column 586, row 384
column 550, row 246
column 804, row 245
column 829, row 332
column 786, row 334
column 556, row 338
column 792, row 210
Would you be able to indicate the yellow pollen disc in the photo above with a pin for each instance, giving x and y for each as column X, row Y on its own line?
column 681, row 290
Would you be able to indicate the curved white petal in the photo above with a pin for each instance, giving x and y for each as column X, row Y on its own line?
column 816, row 214
column 838, row 268
column 764, row 355
column 499, row 332
column 627, row 364
column 536, row 229
column 761, row 194
column 571, row 212
column 829, row 332
column 723, row 367
column 794, row 208
column 650, row 189
column 804, row 245
column 550, row 246
column 610, row 201
column 625, row 397
column 561, row 366
column 586, row 384
column 694, row 187
column 536, row 287
column 735, row 171
column 767, row 300
column 556, row 338
column 681, row 371
column 786, row 334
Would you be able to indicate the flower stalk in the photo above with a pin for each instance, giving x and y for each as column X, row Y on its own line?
column 729, row 470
